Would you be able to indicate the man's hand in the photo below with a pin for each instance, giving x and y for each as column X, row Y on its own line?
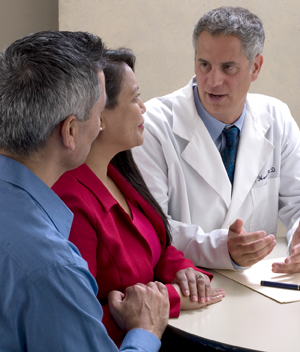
column 245, row 248
column 291, row 263
column 141, row 307
column 193, row 284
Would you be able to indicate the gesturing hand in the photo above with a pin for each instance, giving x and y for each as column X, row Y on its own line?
column 245, row 248
column 142, row 306
column 291, row 263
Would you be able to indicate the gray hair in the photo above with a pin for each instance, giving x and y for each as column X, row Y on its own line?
column 235, row 21
column 44, row 78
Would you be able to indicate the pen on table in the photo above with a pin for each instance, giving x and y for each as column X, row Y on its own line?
column 280, row 285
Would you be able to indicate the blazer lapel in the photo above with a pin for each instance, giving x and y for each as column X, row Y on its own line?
column 135, row 198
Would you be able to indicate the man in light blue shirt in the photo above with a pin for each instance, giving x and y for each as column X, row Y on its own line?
column 51, row 97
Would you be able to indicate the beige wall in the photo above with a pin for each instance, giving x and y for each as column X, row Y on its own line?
column 21, row 17
column 159, row 32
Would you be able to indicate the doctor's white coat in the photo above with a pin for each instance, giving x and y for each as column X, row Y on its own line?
column 184, row 171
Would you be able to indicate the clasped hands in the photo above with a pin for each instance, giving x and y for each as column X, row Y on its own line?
column 147, row 306
column 247, row 249
column 141, row 307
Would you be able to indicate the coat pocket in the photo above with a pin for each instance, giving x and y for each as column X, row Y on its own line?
column 265, row 200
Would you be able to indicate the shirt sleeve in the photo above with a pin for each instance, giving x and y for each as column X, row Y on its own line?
column 140, row 340
column 61, row 313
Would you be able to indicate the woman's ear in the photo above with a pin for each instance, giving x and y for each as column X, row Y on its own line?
column 68, row 132
column 102, row 120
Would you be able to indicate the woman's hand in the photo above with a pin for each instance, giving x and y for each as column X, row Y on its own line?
column 194, row 284
column 216, row 295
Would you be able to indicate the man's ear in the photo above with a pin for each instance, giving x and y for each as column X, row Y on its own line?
column 256, row 66
column 68, row 131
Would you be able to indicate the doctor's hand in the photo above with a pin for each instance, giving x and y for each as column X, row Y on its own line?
column 193, row 284
column 245, row 248
column 216, row 295
column 291, row 263
column 141, row 307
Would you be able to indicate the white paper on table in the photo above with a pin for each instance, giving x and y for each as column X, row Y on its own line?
column 262, row 270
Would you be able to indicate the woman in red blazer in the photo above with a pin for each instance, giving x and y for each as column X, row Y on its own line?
column 118, row 226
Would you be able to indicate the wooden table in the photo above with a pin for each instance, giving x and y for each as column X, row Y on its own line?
column 245, row 320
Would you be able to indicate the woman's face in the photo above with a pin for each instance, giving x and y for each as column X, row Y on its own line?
column 124, row 124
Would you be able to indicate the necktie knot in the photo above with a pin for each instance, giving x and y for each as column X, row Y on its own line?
column 228, row 156
column 231, row 135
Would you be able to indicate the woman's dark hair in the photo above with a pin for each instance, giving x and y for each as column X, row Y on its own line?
column 123, row 161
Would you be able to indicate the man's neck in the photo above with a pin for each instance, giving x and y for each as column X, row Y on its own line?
column 40, row 164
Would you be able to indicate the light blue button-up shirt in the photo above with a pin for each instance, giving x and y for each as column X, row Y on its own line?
column 48, row 297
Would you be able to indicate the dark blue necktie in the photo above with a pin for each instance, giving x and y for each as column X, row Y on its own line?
column 228, row 156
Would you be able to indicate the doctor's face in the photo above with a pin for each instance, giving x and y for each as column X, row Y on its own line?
column 223, row 75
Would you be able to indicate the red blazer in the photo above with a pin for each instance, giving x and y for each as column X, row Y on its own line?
column 118, row 255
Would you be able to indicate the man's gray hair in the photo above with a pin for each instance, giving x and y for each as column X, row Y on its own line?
column 44, row 78
column 235, row 21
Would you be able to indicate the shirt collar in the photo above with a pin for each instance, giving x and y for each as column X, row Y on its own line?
column 214, row 126
column 13, row 172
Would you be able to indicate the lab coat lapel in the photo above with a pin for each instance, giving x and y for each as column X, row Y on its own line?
column 254, row 150
column 201, row 152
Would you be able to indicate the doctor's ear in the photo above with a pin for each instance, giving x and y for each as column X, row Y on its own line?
column 256, row 66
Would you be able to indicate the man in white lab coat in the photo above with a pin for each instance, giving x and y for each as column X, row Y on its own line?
column 221, row 219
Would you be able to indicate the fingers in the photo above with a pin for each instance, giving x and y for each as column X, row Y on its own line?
column 186, row 279
column 115, row 298
column 186, row 303
column 251, row 253
column 194, row 284
column 217, row 295
column 237, row 226
column 296, row 237
column 158, row 286
column 247, row 249
column 203, row 286
column 244, row 238
column 295, row 251
column 291, row 263
column 143, row 306
column 258, row 247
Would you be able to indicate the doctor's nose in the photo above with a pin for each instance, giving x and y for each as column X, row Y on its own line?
column 215, row 78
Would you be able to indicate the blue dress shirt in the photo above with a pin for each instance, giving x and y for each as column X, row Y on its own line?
column 48, row 297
